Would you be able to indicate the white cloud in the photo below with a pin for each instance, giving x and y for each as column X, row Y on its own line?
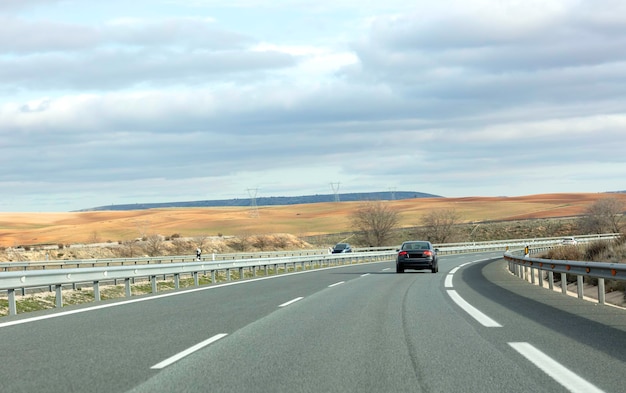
column 454, row 98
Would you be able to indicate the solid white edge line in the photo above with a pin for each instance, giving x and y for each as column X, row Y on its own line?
column 366, row 274
column 335, row 284
column 448, row 281
column 291, row 301
column 558, row 372
column 472, row 311
column 187, row 352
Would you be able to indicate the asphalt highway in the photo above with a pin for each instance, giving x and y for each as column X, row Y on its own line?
column 472, row 327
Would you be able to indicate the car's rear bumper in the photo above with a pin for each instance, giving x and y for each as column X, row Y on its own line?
column 416, row 264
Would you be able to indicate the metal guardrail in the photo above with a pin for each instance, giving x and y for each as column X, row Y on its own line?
column 105, row 262
column 54, row 275
column 446, row 248
column 532, row 269
column 468, row 247
column 57, row 278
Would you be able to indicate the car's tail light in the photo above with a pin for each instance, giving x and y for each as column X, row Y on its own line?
column 428, row 253
column 402, row 253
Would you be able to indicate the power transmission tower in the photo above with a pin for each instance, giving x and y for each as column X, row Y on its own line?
column 254, row 209
column 335, row 187
column 392, row 191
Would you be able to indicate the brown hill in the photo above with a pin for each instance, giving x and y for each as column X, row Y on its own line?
column 307, row 219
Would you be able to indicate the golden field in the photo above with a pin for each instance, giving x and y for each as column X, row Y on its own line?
column 306, row 219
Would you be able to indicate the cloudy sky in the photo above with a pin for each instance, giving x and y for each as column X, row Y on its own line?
column 115, row 102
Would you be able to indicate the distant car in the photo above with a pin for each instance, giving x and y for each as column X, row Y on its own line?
column 569, row 241
column 417, row 255
column 341, row 248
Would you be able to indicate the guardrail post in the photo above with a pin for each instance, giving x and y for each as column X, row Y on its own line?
column 127, row 287
column 525, row 274
column 540, row 277
column 564, row 283
column 532, row 275
column 551, row 280
column 601, row 293
column 176, row 281
column 253, row 271
column 58, row 298
column 196, row 280
column 579, row 286
column 227, row 274
column 212, row 276
column 241, row 273
column 12, row 305
column 153, row 283
column 96, row 291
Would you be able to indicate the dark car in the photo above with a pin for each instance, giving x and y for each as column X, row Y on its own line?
column 417, row 255
column 341, row 248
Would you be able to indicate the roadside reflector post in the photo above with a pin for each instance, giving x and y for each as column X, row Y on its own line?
column 58, row 301
column 153, row 282
column 12, row 305
column 96, row 291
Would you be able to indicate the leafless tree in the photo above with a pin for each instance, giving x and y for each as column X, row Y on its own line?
column 441, row 225
column 129, row 249
column 94, row 238
column 604, row 216
column 142, row 227
column 375, row 222
column 181, row 247
column 154, row 245
column 240, row 243
column 261, row 242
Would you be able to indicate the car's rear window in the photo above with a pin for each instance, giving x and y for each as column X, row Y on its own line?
column 415, row 246
column 340, row 246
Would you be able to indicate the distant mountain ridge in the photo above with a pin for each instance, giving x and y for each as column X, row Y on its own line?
column 273, row 201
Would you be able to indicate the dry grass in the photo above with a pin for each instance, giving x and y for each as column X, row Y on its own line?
column 300, row 220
